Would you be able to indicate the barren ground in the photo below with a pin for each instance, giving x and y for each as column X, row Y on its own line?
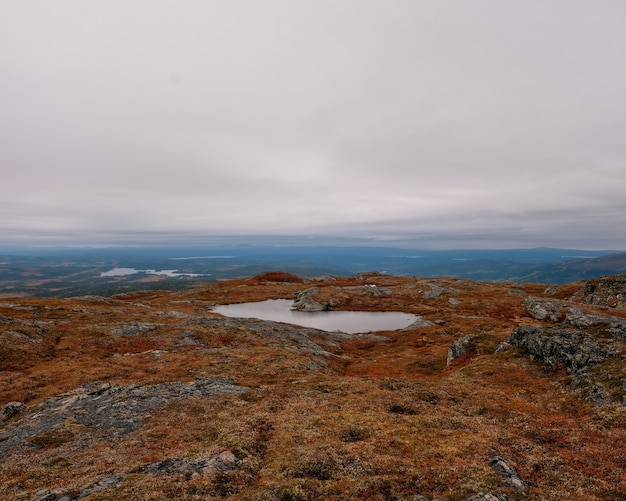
column 319, row 415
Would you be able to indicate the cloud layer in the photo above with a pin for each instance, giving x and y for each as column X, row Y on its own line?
column 490, row 122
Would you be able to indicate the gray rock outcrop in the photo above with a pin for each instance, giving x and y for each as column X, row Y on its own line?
column 369, row 289
column 420, row 322
column 214, row 464
column 574, row 350
column 113, row 409
column 605, row 291
column 507, row 472
column 11, row 409
column 434, row 292
column 295, row 338
column 459, row 348
column 305, row 301
column 614, row 326
column 133, row 328
column 488, row 496
column 576, row 318
column 543, row 309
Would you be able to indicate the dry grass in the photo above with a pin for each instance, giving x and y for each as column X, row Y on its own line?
column 382, row 420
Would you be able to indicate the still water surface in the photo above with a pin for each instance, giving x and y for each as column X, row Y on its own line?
column 121, row 272
column 352, row 322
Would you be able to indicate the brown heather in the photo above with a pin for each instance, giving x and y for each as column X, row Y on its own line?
column 375, row 420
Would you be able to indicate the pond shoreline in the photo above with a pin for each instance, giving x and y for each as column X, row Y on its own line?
column 351, row 322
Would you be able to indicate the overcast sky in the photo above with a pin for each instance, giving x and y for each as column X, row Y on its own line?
column 455, row 123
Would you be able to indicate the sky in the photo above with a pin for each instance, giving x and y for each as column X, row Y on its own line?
column 450, row 123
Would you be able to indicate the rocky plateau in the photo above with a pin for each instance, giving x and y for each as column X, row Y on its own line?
column 501, row 391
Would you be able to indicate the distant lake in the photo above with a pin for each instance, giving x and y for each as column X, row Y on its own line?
column 351, row 322
column 121, row 272
column 201, row 257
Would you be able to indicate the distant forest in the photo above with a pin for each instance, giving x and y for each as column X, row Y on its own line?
column 74, row 272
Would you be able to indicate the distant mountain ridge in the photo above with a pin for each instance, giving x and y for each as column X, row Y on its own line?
column 579, row 269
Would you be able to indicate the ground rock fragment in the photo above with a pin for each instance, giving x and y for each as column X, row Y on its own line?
column 488, row 496
column 507, row 472
column 133, row 328
column 11, row 409
column 459, row 348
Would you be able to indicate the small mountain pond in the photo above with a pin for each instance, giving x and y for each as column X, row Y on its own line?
column 351, row 322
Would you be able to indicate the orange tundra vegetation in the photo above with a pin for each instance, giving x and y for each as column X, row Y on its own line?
column 150, row 395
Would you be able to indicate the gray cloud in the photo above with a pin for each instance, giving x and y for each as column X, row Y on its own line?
column 461, row 122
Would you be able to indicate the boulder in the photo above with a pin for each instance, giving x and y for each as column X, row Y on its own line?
column 507, row 472
column 459, row 348
column 305, row 301
column 11, row 409
column 434, row 292
column 543, row 309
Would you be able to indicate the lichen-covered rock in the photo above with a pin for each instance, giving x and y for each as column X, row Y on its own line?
column 434, row 292
column 599, row 395
column 104, row 483
column 543, row 309
column 306, row 302
column 614, row 326
column 420, row 322
column 507, row 472
column 11, row 409
column 488, row 496
column 574, row 350
column 112, row 409
column 294, row 338
column 576, row 318
column 133, row 328
column 605, row 291
column 369, row 289
column 503, row 346
column 459, row 348
column 215, row 463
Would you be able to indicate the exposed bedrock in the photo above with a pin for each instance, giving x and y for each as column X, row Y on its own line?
column 574, row 350
column 543, row 309
column 605, row 291
column 306, row 301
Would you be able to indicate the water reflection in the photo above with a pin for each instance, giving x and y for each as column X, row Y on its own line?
column 352, row 322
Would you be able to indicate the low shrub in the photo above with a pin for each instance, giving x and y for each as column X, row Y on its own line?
column 402, row 409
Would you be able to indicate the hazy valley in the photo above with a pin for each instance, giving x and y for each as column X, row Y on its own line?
column 73, row 272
